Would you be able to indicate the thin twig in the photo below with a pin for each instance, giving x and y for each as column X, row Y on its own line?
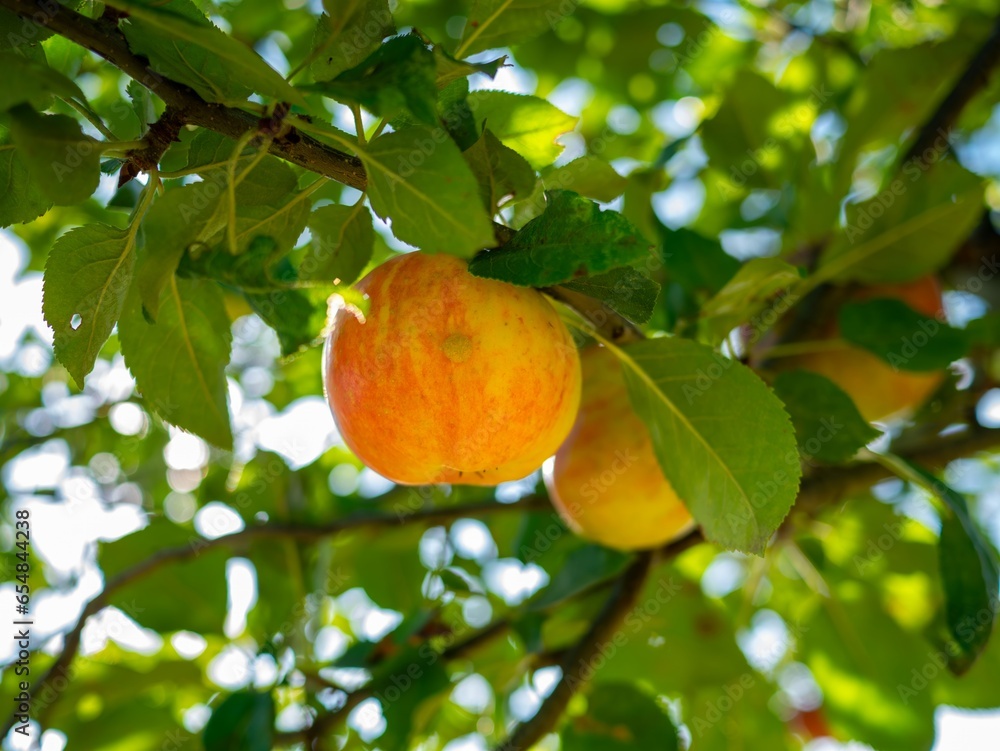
column 359, row 124
column 973, row 80
column 324, row 723
column 580, row 661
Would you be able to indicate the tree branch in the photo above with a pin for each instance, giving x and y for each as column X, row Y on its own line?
column 58, row 672
column 833, row 485
column 156, row 142
column 821, row 490
column 103, row 38
column 579, row 663
column 975, row 78
column 824, row 488
column 326, row 722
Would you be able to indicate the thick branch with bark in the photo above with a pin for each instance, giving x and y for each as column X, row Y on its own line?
column 822, row 490
column 103, row 38
column 974, row 79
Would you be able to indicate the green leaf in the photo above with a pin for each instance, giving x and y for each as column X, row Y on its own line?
column 23, row 200
column 501, row 172
column 418, row 180
column 267, row 204
column 269, row 182
column 244, row 721
column 970, row 573
column 684, row 643
column 909, row 229
column 211, row 150
column 572, row 238
column 399, row 77
column 499, row 23
column 456, row 114
column 449, row 69
column 749, row 136
column 755, row 286
column 179, row 362
column 87, row 276
column 827, row 424
column 342, row 242
column 583, row 568
column 26, row 81
column 254, row 269
column 179, row 218
column 281, row 221
column 587, row 175
column 406, row 716
column 738, row 484
column 178, row 39
column 347, row 33
column 695, row 262
column 695, row 267
column 62, row 161
column 621, row 717
column 143, row 106
column 527, row 124
column 624, row 290
column 21, row 36
column 896, row 333
column 865, row 666
column 296, row 316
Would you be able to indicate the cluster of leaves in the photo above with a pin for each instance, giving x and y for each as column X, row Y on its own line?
column 222, row 228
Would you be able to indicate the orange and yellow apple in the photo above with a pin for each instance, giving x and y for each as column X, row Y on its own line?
column 450, row 378
column 605, row 480
column 879, row 391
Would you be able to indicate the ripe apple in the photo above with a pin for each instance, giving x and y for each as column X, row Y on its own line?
column 450, row 377
column 879, row 391
column 605, row 480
